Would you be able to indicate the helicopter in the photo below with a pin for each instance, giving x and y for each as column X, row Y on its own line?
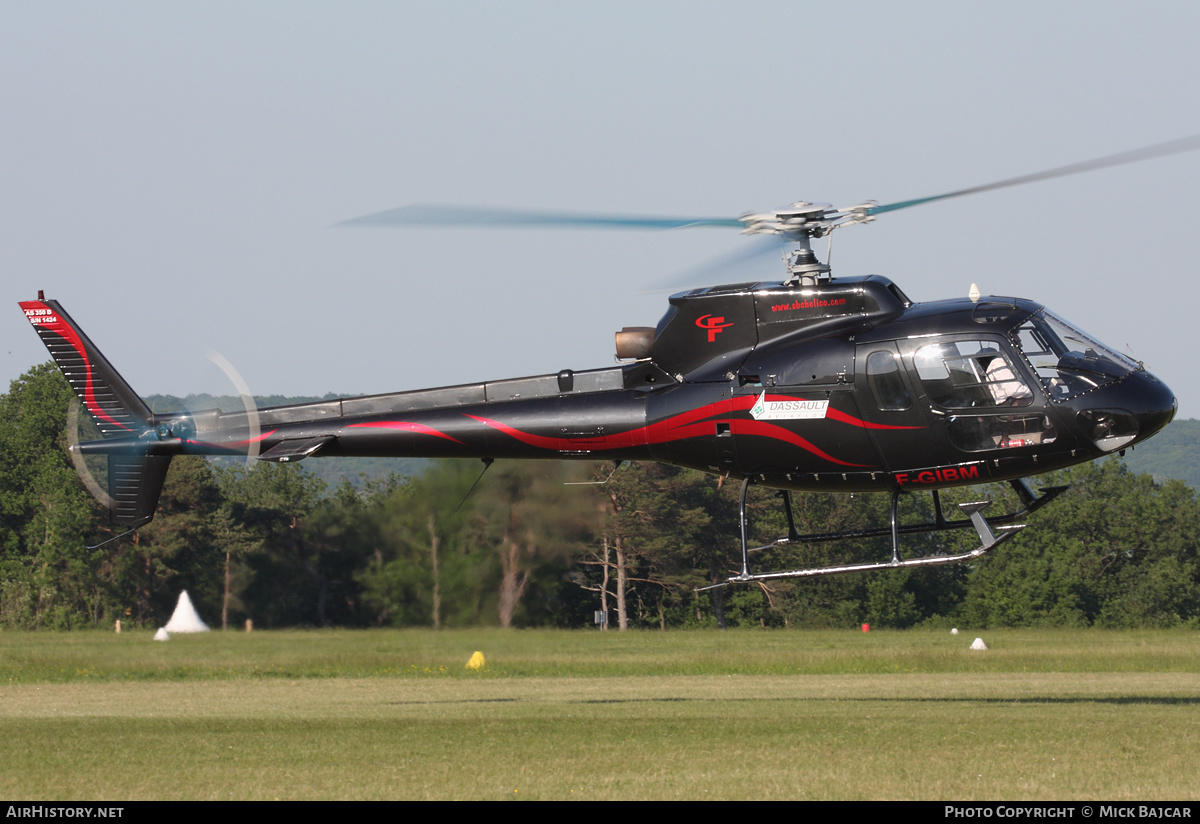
column 809, row 383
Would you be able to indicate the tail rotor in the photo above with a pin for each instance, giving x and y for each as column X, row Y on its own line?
column 243, row 389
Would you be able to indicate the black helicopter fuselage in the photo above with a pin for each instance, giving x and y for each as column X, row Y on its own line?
column 813, row 383
column 841, row 386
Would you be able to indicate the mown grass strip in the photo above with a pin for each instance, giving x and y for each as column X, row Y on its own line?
column 95, row 656
column 566, row 715
column 962, row 736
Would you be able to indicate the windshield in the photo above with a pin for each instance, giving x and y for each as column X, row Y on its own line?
column 1069, row 361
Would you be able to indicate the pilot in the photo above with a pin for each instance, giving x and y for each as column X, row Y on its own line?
column 1006, row 388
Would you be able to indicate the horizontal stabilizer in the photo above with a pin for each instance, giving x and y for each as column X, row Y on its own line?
column 134, row 484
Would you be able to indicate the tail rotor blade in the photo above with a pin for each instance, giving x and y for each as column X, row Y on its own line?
column 248, row 403
column 93, row 486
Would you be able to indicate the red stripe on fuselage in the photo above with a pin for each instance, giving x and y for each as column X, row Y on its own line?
column 770, row 430
column 842, row 417
column 693, row 423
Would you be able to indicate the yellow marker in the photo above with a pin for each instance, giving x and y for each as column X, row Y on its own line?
column 476, row 662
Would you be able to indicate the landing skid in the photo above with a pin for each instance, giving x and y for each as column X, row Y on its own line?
column 988, row 537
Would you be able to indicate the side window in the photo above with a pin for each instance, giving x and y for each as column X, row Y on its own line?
column 887, row 384
column 967, row 374
column 976, row 433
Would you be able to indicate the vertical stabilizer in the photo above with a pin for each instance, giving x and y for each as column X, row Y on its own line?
column 115, row 407
column 135, row 479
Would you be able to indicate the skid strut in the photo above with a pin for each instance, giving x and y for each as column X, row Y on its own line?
column 988, row 537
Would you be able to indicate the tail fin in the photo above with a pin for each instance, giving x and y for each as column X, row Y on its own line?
column 116, row 408
column 135, row 480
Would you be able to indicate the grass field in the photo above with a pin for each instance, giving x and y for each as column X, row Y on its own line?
column 563, row 715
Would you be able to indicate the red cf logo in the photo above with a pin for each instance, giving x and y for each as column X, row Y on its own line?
column 713, row 325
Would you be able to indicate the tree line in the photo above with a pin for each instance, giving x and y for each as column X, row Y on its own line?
column 529, row 544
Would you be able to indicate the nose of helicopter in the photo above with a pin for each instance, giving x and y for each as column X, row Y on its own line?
column 1157, row 405
column 1128, row 412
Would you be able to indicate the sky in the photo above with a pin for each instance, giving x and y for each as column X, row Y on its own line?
column 174, row 173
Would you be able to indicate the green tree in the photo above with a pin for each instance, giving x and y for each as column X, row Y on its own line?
column 48, row 577
column 421, row 570
column 535, row 526
column 176, row 551
column 1118, row 549
column 234, row 542
column 288, row 578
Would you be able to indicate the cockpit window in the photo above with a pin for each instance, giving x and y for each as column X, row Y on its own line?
column 965, row 374
column 1068, row 361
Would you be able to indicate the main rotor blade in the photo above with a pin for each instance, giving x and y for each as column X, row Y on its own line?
column 429, row 214
column 742, row 264
column 1186, row 144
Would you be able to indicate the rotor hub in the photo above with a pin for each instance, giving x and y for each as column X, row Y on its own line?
column 799, row 220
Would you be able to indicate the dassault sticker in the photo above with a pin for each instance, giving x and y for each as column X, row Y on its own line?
column 790, row 409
